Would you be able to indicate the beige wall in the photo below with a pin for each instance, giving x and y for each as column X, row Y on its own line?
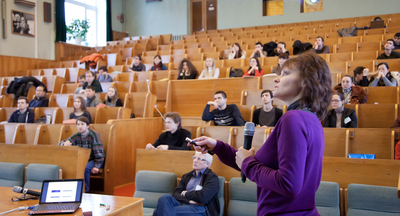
column 41, row 46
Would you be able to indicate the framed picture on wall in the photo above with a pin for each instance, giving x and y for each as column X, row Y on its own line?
column 22, row 23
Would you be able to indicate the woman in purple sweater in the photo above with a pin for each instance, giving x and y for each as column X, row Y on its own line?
column 287, row 168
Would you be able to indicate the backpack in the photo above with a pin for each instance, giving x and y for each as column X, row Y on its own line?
column 235, row 72
column 41, row 120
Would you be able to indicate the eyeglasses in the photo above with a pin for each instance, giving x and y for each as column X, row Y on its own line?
column 198, row 159
column 168, row 122
column 335, row 101
column 253, row 61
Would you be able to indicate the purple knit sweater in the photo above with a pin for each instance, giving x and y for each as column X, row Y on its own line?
column 287, row 169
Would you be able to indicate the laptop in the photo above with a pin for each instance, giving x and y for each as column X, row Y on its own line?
column 59, row 197
column 377, row 24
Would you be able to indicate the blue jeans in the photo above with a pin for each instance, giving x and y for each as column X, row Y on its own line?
column 88, row 170
column 169, row 206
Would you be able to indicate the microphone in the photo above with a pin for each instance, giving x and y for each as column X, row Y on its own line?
column 18, row 189
column 155, row 106
column 249, row 129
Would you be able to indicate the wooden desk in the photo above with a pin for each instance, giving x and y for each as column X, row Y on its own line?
column 90, row 202
column 71, row 159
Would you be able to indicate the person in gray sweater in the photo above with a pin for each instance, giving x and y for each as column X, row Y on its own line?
column 383, row 77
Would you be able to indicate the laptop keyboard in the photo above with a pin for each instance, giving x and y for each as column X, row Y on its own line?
column 47, row 207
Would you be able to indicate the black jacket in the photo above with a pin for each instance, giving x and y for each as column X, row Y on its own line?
column 256, row 116
column 299, row 47
column 269, row 48
column 330, row 119
column 20, row 87
column 29, row 118
column 42, row 102
column 208, row 195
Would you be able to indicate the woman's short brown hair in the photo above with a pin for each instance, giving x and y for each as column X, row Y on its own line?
column 315, row 74
column 175, row 117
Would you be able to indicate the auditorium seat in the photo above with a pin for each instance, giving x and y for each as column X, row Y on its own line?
column 345, row 47
column 378, row 141
column 260, row 136
column 141, row 103
column 366, row 55
column 222, row 133
column 242, row 198
column 378, row 31
column 355, row 39
column 370, row 38
column 369, row 46
column 12, row 174
column 327, row 198
column 54, row 112
column 151, row 185
column 376, row 115
column 105, row 86
column 383, row 95
column 371, row 200
column 104, row 114
column 48, row 134
column 336, row 140
column 253, row 97
column 37, row 173
column 123, row 77
column 341, row 57
column 159, row 88
column 67, row 88
column 117, row 68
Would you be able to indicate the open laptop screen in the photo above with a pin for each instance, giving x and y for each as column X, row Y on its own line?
column 61, row 191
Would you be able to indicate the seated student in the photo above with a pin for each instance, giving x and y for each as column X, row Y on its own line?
column 91, row 99
column 254, row 69
column 92, row 81
column 267, row 116
column 258, row 51
column 40, row 99
column 23, row 114
column 397, row 40
column 389, row 53
column 157, row 64
column 80, row 109
column 112, row 99
column 281, row 59
column 196, row 193
column 210, row 72
column 281, row 48
column 383, row 76
column 319, row 46
column 82, row 80
column 87, row 138
column 103, row 75
column 222, row 114
column 237, row 52
column 352, row 94
column 136, row 64
column 340, row 117
column 360, row 76
column 186, row 70
column 174, row 137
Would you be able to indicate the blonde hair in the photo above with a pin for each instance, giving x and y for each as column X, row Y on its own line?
column 204, row 72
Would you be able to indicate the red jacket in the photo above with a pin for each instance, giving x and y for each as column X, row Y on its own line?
column 257, row 73
column 92, row 59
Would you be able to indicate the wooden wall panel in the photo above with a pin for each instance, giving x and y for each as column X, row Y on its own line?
column 10, row 65
column 119, row 35
column 65, row 49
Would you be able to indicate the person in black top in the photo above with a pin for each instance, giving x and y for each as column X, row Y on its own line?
column 40, row 99
column 340, row 117
column 389, row 53
column 136, row 64
column 319, row 46
column 196, row 193
column 187, row 70
column 360, row 76
column 281, row 48
column 80, row 109
column 92, row 81
column 23, row 114
column 174, row 137
column 267, row 116
column 112, row 99
column 397, row 40
column 222, row 114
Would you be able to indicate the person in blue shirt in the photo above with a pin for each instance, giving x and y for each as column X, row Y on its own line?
column 157, row 64
column 40, row 99
column 103, row 74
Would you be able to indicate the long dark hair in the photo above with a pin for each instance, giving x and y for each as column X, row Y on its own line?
column 83, row 104
column 239, row 52
column 315, row 74
column 388, row 75
column 258, row 64
column 191, row 67
column 161, row 64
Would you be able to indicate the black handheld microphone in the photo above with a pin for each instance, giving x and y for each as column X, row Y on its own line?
column 18, row 189
column 249, row 129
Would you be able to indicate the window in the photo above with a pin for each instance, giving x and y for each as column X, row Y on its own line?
column 272, row 7
column 92, row 11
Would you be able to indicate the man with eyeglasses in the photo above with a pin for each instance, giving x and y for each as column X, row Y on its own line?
column 197, row 191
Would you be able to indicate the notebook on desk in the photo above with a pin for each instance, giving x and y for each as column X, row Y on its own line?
column 59, row 197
